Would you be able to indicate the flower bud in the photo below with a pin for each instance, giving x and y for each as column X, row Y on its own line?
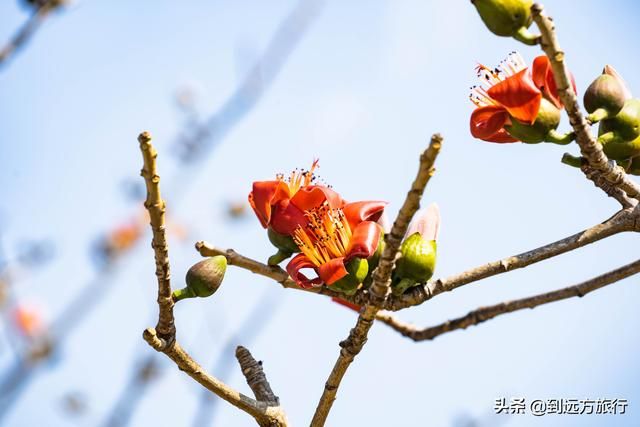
column 203, row 278
column 622, row 151
column 416, row 264
column 605, row 97
column 623, row 127
column 541, row 130
column 418, row 251
column 285, row 244
column 357, row 269
column 507, row 18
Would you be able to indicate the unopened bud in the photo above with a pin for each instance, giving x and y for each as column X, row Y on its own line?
column 357, row 269
column 624, row 127
column 507, row 18
column 416, row 264
column 605, row 97
column 203, row 278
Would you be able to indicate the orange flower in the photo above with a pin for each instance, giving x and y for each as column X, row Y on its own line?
column 28, row 320
column 511, row 91
column 281, row 204
column 331, row 239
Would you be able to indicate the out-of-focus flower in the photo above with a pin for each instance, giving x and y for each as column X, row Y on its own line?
column 418, row 251
column 335, row 244
column 27, row 320
column 516, row 103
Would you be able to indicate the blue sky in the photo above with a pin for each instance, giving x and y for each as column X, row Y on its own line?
column 363, row 91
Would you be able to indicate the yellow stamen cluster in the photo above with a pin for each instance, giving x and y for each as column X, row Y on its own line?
column 326, row 236
column 299, row 178
column 509, row 66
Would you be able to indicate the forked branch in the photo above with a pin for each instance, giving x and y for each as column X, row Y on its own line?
column 590, row 148
column 163, row 337
column 354, row 343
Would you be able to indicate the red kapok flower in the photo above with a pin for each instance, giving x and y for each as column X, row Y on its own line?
column 329, row 241
column 281, row 204
column 510, row 91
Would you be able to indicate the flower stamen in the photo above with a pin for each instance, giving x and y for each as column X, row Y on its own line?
column 326, row 236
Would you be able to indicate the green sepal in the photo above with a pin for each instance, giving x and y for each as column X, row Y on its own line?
column 547, row 121
column 416, row 263
column 203, row 278
column 624, row 126
column 618, row 149
column 282, row 241
column 357, row 269
column 507, row 18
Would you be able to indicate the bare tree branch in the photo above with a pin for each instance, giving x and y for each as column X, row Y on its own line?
column 264, row 413
column 483, row 314
column 590, row 148
column 625, row 220
column 24, row 34
column 354, row 343
column 273, row 272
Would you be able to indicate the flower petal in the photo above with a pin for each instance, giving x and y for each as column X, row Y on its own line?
column 265, row 194
column 519, row 95
column 296, row 264
column 357, row 212
column 313, row 196
column 542, row 75
column 332, row 271
column 286, row 217
column 364, row 240
column 487, row 124
column 426, row 222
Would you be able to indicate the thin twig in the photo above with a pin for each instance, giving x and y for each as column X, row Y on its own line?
column 265, row 413
column 256, row 379
column 483, row 314
column 28, row 29
column 354, row 343
column 625, row 220
column 273, row 272
column 590, row 148
column 156, row 207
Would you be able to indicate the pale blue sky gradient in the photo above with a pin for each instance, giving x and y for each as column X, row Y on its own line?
column 363, row 91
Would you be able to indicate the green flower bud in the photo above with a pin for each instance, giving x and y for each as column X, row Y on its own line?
column 542, row 129
column 623, row 127
column 507, row 18
column 622, row 150
column 606, row 96
column 285, row 244
column 203, row 278
column 416, row 263
column 357, row 269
